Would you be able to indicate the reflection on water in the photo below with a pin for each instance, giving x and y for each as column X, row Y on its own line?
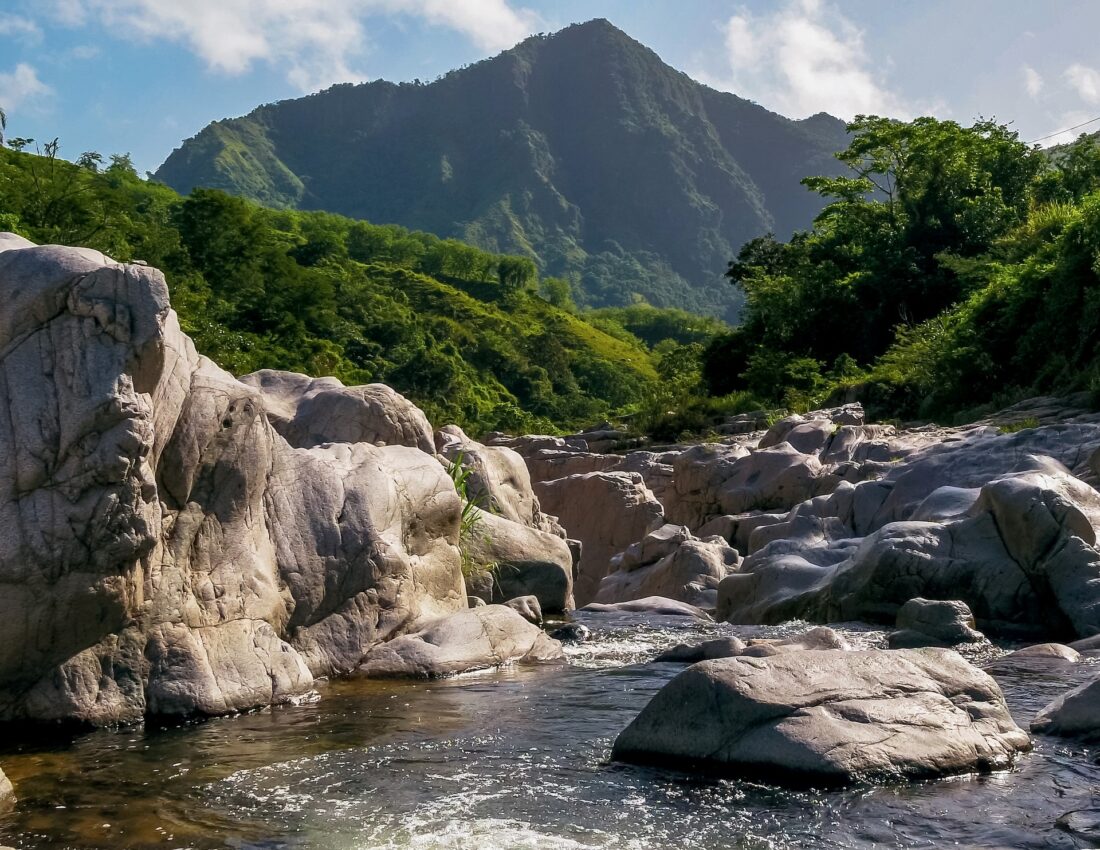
column 510, row 759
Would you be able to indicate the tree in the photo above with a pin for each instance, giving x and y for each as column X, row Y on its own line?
column 516, row 273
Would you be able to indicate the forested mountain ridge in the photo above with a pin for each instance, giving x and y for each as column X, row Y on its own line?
column 581, row 149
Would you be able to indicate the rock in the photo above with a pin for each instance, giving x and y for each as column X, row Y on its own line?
column 1023, row 558
column 657, row 606
column 163, row 549
column 477, row 639
column 1075, row 714
column 520, row 561
column 606, row 511
column 930, row 622
column 498, row 479
column 527, row 607
column 549, row 464
column 308, row 412
column 1084, row 823
column 690, row 653
column 1053, row 651
column 571, row 633
column 670, row 562
column 475, row 602
column 1089, row 644
column 7, row 793
column 828, row 716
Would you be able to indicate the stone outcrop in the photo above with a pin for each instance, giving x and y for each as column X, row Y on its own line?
column 828, row 716
column 669, row 562
column 310, row 411
column 477, row 639
column 163, row 548
column 606, row 511
column 1021, row 553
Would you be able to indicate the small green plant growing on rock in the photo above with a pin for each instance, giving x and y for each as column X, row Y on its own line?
column 471, row 516
column 1019, row 425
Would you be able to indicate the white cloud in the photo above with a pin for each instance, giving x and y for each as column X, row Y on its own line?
column 805, row 58
column 21, row 86
column 1033, row 82
column 1085, row 81
column 18, row 27
column 85, row 51
column 317, row 41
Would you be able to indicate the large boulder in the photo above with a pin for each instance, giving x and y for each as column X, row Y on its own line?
column 934, row 622
column 828, row 716
column 672, row 563
column 651, row 606
column 310, row 411
column 509, row 559
column 477, row 639
column 1075, row 714
column 606, row 511
column 1023, row 557
column 162, row 548
column 497, row 481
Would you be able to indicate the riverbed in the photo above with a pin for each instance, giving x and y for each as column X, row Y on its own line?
column 512, row 758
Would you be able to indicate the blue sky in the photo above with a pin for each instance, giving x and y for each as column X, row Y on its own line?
column 139, row 76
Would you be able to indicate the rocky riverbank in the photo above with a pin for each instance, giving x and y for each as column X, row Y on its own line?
column 175, row 541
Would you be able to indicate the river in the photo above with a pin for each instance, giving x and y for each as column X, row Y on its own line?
column 515, row 758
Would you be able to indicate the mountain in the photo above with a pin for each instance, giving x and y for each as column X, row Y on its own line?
column 581, row 149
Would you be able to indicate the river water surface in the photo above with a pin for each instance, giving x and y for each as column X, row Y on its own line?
column 509, row 759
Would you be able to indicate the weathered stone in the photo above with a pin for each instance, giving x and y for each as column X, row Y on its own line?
column 520, row 561
column 477, row 639
column 690, row 653
column 571, row 633
column 308, row 412
column 657, row 606
column 606, row 511
column 933, row 622
column 7, row 793
column 1075, row 714
column 831, row 716
column 1053, row 651
column 162, row 548
column 527, row 607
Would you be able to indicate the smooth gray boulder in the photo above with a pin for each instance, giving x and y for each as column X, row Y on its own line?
column 1075, row 714
column 477, row 639
column 672, row 563
column 657, row 606
column 527, row 607
column 820, row 637
column 828, row 716
column 517, row 560
column 1051, row 651
column 606, row 511
column 934, row 622
column 163, row 550
column 1023, row 558
column 310, row 411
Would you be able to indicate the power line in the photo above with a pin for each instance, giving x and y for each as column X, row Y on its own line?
column 1068, row 129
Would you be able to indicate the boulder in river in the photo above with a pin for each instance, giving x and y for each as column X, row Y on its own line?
column 1075, row 714
column 476, row 639
column 820, row 637
column 7, row 793
column 828, row 716
column 527, row 607
column 655, row 606
column 934, row 622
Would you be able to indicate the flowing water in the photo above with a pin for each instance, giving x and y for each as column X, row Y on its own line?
column 508, row 759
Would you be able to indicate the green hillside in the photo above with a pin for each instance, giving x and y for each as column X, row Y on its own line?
column 461, row 331
column 581, row 150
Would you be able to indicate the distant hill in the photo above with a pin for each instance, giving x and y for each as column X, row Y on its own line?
column 581, row 149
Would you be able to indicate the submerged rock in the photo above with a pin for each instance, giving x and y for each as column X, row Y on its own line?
column 657, row 606
column 828, row 716
column 821, row 637
column 571, row 633
column 7, row 793
column 477, row 639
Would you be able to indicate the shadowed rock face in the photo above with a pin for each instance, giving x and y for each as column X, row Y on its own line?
column 832, row 716
column 162, row 548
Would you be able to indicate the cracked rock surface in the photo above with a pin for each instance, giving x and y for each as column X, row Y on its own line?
column 828, row 716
